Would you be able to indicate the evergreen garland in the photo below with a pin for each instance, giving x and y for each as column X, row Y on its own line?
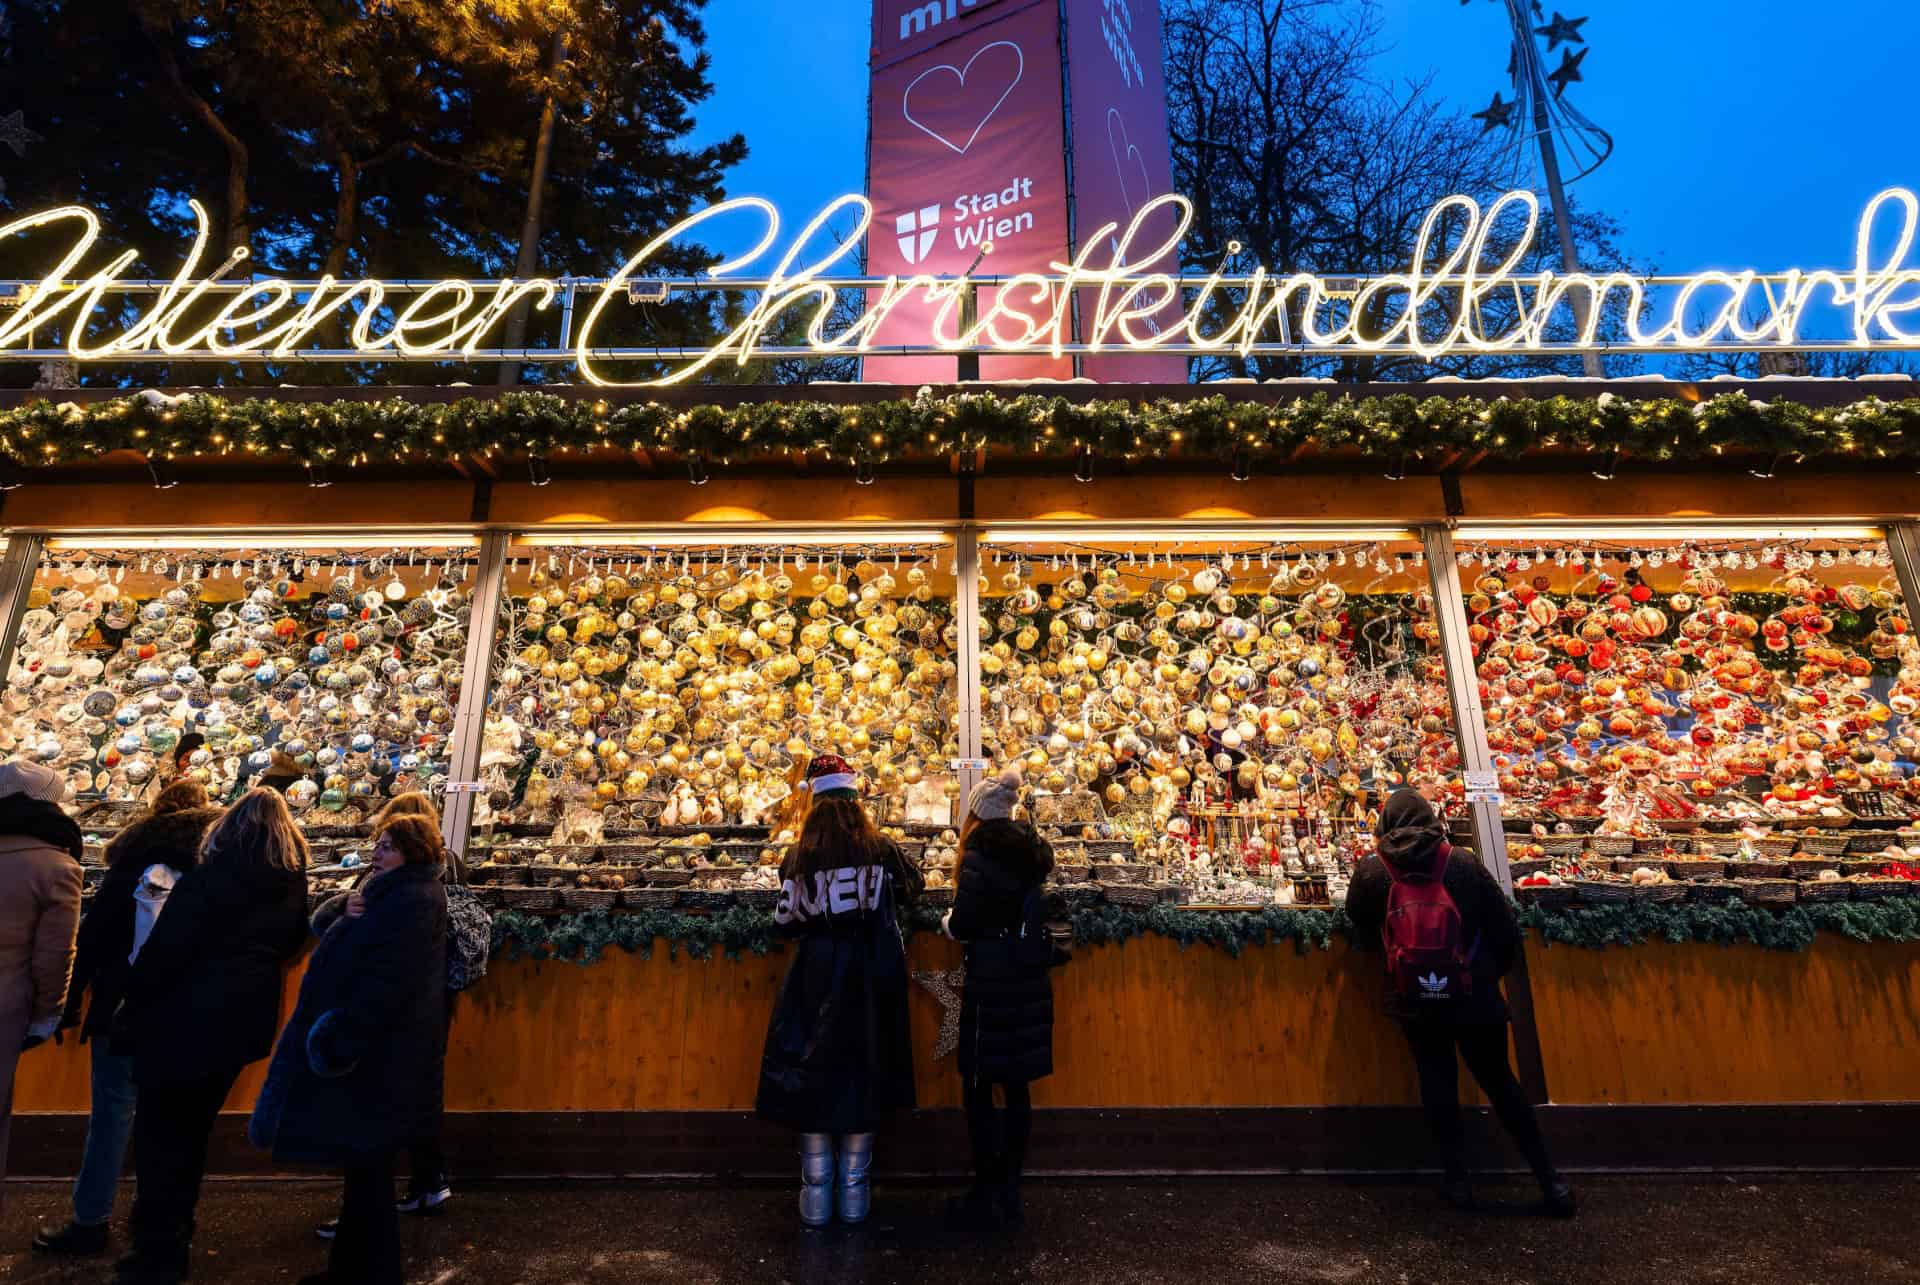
column 584, row 938
column 1404, row 426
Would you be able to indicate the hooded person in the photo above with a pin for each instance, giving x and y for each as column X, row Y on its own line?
column 40, row 849
column 1006, row 1012
column 838, row 1058
column 144, row 862
column 1389, row 891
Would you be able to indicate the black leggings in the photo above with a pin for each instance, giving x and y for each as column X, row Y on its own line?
column 999, row 1137
column 1483, row 1047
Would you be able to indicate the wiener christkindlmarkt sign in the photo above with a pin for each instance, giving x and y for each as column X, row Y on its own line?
column 1432, row 309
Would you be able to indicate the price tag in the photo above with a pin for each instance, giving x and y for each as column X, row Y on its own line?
column 465, row 787
column 1482, row 787
column 977, row 765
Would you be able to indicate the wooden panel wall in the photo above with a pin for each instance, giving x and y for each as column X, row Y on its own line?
column 1660, row 1024
column 1147, row 1024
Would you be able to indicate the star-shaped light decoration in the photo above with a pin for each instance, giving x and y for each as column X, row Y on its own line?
column 15, row 134
column 945, row 987
column 1567, row 72
column 1561, row 28
column 1498, row 113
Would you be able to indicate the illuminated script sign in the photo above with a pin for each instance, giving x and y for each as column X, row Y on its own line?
column 1463, row 293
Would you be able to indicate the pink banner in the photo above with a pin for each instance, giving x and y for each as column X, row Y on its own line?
column 1121, row 160
column 966, row 149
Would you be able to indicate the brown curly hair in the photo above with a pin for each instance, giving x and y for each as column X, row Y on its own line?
column 417, row 838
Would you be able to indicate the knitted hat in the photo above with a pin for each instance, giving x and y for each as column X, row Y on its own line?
column 832, row 777
column 995, row 798
column 35, row 780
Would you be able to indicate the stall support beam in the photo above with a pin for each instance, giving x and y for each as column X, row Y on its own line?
column 966, row 606
column 1463, row 690
column 17, row 565
column 1903, row 542
column 469, row 720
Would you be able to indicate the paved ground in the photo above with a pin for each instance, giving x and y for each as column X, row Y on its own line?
column 1664, row 1231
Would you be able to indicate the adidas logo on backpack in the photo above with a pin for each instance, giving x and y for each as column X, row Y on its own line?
column 1426, row 961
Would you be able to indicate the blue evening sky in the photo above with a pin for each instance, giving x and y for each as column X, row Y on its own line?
column 1749, row 133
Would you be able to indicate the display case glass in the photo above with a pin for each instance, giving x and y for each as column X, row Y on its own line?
column 331, row 669
column 1221, row 713
column 653, row 706
column 1699, row 695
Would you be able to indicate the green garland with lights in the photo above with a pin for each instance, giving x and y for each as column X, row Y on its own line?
column 585, row 938
column 1395, row 428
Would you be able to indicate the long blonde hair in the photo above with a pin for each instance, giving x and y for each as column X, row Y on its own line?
column 258, row 830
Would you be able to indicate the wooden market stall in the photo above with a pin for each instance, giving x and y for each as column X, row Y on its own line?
column 1172, row 1054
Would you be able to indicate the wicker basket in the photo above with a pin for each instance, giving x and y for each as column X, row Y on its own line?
column 1716, row 845
column 1876, row 889
column 706, row 898
column 1824, row 845
column 1810, row 867
column 1117, row 872
column 1612, row 845
column 1713, row 890
column 1768, row 892
column 1778, row 846
column 1660, row 892
column 1841, row 822
column 937, row 897
column 1131, row 894
column 1549, row 897
column 1627, row 865
column 1530, row 866
column 1652, row 847
column 529, row 898
column 1825, row 890
column 1720, row 825
column 1761, row 869
column 1688, row 871
column 589, row 898
column 1109, row 850
column 768, row 898
column 1562, row 845
column 1596, row 892
column 663, row 877
column 1870, row 840
column 1678, row 825
column 1072, row 872
column 1080, row 897
column 649, row 898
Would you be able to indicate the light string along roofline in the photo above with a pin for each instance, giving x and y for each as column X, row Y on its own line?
column 1432, row 309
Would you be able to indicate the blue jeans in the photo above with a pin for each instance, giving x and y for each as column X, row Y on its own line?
column 108, row 1129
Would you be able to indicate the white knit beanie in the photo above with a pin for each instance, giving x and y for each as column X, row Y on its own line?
column 35, row 780
column 995, row 798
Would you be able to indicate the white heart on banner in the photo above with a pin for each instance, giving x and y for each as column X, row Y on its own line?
column 947, row 109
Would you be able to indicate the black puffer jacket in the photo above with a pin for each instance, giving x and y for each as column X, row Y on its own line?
column 839, row 1051
column 1487, row 922
column 360, row 1066
column 1006, row 1018
column 106, row 931
column 204, row 996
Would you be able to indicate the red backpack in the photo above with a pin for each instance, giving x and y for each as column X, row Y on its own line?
column 1427, row 963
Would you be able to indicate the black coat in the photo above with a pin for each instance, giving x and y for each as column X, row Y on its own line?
column 1486, row 918
column 839, row 1050
column 203, row 999
column 360, row 1066
column 1006, row 1017
column 106, row 931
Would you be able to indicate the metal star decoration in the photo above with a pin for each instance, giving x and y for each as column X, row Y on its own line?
column 945, row 987
column 1497, row 114
column 1567, row 72
column 1561, row 28
column 15, row 134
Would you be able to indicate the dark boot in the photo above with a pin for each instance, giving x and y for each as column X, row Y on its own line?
column 1556, row 1200
column 978, row 1211
column 75, row 1239
column 1012, row 1211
